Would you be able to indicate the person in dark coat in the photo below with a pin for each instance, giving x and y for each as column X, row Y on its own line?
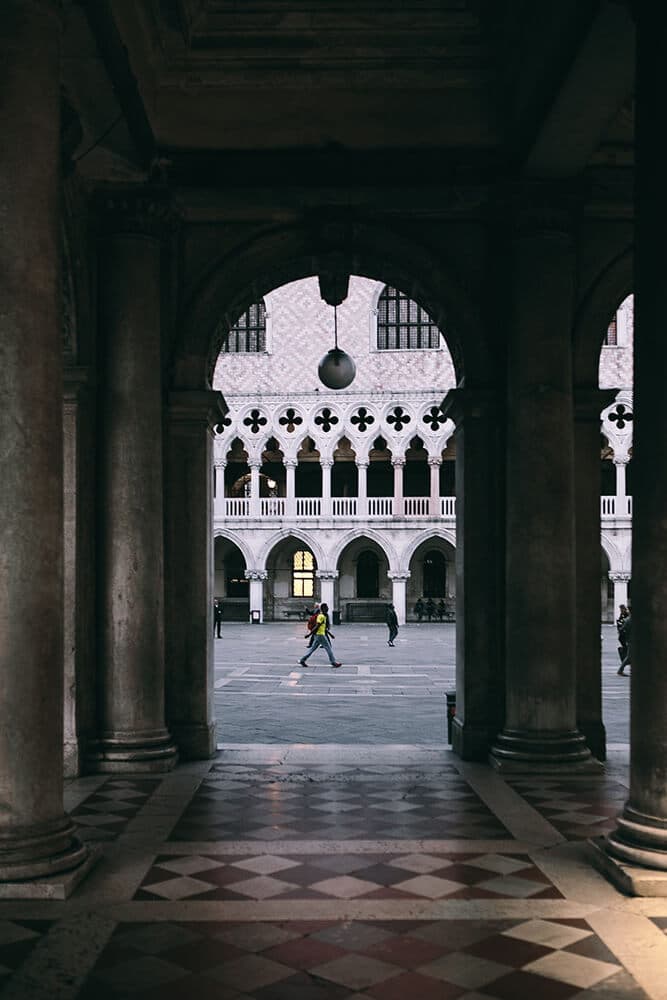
column 442, row 609
column 217, row 618
column 419, row 608
column 625, row 636
column 430, row 609
column 392, row 624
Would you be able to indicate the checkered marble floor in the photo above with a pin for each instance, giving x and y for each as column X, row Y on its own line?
column 386, row 960
column 308, row 873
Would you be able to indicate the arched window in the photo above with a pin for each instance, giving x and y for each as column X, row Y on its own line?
column 403, row 325
column 303, row 574
column 248, row 335
column 435, row 574
column 368, row 575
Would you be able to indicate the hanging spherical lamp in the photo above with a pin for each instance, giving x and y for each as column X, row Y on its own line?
column 336, row 369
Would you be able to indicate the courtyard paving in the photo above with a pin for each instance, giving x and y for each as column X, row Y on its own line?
column 379, row 696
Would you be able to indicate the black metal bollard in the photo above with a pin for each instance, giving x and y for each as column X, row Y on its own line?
column 451, row 712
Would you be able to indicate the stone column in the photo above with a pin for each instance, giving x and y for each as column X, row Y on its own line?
column 479, row 571
column 621, row 465
column 189, row 549
column 589, row 402
column 540, row 731
column 78, row 581
column 290, row 487
column 327, row 578
column 36, row 836
column 640, row 839
column 257, row 579
column 362, row 488
column 399, row 507
column 399, row 582
column 326, row 465
column 219, row 498
column 254, row 488
column 130, row 487
column 435, row 461
column 620, row 581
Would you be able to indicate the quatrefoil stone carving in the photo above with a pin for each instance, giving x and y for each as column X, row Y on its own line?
column 255, row 421
column 362, row 418
column 620, row 416
column 435, row 417
column 399, row 418
column 326, row 419
column 290, row 420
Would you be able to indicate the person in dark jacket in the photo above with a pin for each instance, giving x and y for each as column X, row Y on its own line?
column 430, row 609
column 392, row 624
column 419, row 608
column 217, row 618
column 625, row 636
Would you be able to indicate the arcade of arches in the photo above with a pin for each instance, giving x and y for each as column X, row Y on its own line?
column 151, row 195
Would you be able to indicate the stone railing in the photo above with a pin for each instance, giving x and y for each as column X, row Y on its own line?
column 337, row 508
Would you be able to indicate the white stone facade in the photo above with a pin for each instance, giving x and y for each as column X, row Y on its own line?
column 265, row 512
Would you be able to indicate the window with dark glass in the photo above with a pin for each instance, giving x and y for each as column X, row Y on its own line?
column 303, row 574
column 248, row 335
column 403, row 325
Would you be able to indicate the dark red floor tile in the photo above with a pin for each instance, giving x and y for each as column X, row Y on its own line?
column 408, row 952
column 413, row 986
column 200, row 955
column 526, row 986
column 507, row 950
column 304, row 953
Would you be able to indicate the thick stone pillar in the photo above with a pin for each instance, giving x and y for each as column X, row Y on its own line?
column 398, row 463
column 434, row 462
column 540, row 731
column 479, row 571
column 399, row 582
column 327, row 578
column 133, row 735
column 257, row 579
column 640, row 840
column 78, row 579
column 589, row 402
column 36, row 836
column 189, row 570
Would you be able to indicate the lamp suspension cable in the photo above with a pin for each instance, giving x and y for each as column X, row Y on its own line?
column 336, row 327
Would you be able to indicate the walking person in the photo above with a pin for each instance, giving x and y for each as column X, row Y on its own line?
column 392, row 624
column 625, row 635
column 310, row 625
column 217, row 618
column 620, row 622
column 322, row 636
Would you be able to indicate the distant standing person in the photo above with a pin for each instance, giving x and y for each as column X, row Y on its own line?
column 392, row 624
column 419, row 609
column 430, row 608
column 442, row 609
column 217, row 618
column 626, row 640
column 620, row 622
column 322, row 637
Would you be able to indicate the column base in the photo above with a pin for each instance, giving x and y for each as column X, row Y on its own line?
column 132, row 754
column 470, row 742
column 41, row 852
column 596, row 738
column 74, row 753
column 57, row 886
column 520, row 752
column 195, row 741
column 632, row 879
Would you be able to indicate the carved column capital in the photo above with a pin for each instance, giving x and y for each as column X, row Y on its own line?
column 434, row 460
column 620, row 577
column 399, row 577
column 326, row 574
column 398, row 461
column 256, row 574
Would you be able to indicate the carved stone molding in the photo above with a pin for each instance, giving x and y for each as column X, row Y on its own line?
column 256, row 575
column 326, row 574
column 398, row 576
column 144, row 211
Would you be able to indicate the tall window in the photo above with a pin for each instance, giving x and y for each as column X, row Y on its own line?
column 368, row 583
column 303, row 574
column 435, row 574
column 248, row 335
column 403, row 325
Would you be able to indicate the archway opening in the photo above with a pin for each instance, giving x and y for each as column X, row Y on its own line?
column 231, row 587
